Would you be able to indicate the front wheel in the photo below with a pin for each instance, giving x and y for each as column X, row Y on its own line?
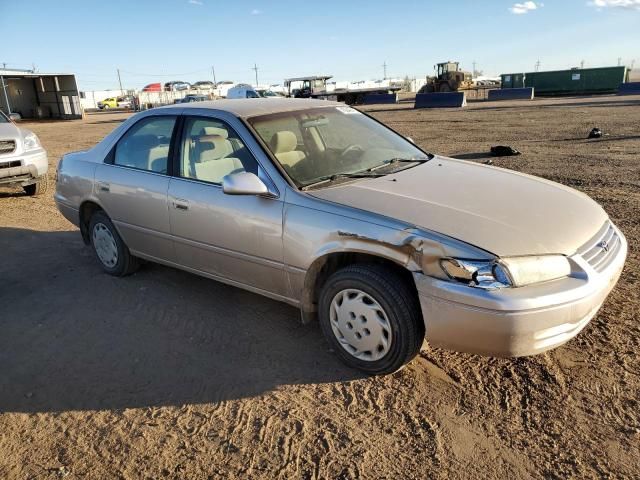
column 111, row 251
column 371, row 318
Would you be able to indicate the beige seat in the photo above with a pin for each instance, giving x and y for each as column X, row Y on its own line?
column 158, row 158
column 211, row 163
column 283, row 145
column 212, row 147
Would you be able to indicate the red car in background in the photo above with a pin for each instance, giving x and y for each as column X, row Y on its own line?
column 152, row 87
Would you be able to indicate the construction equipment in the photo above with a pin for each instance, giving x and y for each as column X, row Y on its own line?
column 449, row 78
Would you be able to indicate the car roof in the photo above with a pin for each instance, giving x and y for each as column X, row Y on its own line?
column 259, row 106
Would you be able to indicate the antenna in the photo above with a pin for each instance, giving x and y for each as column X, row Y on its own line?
column 255, row 68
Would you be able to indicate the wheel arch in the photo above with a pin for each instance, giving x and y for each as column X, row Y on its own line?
column 85, row 212
column 324, row 266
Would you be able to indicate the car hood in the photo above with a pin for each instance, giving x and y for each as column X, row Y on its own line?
column 501, row 211
column 9, row 131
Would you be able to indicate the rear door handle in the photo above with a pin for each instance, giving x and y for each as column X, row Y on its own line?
column 103, row 186
column 181, row 204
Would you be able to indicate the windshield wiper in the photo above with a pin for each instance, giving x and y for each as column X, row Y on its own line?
column 392, row 161
column 338, row 176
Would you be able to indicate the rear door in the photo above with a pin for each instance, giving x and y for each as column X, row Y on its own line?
column 237, row 238
column 132, row 186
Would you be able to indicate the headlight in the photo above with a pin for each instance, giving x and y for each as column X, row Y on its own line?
column 31, row 142
column 507, row 272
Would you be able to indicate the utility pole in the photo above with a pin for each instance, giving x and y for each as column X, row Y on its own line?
column 120, row 82
column 619, row 61
column 581, row 63
column 384, row 67
column 213, row 70
column 255, row 68
column 473, row 73
column 537, row 68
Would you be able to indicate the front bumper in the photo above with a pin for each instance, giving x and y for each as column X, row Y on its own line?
column 28, row 167
column 514, row 322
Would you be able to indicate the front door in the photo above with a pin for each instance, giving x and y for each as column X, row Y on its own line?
column 132, row 186
column 237, row 238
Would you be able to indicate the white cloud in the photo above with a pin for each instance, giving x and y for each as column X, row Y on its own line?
column 196, row 2
column 525, row 7
column 255, row 11
column 627, row 4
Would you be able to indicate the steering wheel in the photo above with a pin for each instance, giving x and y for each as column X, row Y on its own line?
column 354, row 147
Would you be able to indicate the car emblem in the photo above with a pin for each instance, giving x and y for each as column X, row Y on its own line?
column 604, row 245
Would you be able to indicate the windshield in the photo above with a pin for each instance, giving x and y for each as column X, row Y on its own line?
column 319, row 143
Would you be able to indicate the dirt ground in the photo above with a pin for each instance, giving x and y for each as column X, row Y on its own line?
column 167, row 375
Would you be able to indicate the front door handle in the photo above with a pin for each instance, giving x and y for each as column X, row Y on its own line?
column 103, row 186
column 181, row 204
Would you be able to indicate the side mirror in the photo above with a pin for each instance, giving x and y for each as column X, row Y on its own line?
column 14, row 117
column 244, row 183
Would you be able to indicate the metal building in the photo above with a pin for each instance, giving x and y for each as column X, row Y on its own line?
column 39, row 95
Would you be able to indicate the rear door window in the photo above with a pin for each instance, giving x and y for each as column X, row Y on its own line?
column 146, row 145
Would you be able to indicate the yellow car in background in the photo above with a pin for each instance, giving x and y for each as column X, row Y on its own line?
column 108, row 103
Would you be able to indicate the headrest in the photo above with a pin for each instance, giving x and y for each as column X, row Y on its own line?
column 210, row 138
column 215, row 131
column 283, row 142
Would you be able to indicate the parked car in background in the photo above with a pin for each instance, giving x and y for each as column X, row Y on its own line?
column 318, row 205
column 204, row 85
column 107, row 103
column 176, row 86
column 194, row 98
column 242, row 91
column 264, row 93
column 125, row 102
column 152, row 87
column 23, row 160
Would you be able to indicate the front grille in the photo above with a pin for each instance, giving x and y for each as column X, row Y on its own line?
column 7, row 146
column 602, row 248
column 14, row 163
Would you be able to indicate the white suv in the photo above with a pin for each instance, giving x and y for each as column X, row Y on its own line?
column 23, row 161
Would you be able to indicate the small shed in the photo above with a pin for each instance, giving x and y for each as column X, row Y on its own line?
column 39, row 95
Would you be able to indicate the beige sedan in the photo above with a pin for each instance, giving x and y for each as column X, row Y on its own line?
column 318, row 205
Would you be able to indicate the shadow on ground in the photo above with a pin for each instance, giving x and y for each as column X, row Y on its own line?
column 74, row 338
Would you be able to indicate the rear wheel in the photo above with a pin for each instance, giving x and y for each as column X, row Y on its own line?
column 110, row 249
column 371, row 318
column 37, row 188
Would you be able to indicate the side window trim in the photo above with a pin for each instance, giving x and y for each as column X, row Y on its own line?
column 111, row 156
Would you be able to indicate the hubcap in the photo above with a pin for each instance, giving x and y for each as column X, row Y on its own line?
column 360, row 325
column 105, row 245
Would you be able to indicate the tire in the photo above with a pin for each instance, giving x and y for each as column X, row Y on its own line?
column 37, row 188
column 111, row 251
column 386, row 320
column 106, row 107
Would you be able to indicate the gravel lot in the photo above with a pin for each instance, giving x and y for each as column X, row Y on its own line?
column 165, row 374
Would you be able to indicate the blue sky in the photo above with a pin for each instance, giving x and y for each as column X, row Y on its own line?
column 166, row 40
